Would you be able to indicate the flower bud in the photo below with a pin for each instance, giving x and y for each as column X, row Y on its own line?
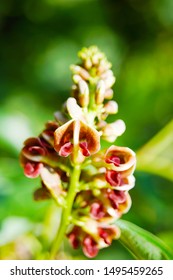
column 100, row 92
column 111, row 131
column 88, row 63
column 104, row 65
column 96, row 58
column 76, row 69
column 109, row 93
column 73, row 109
column 83, row 93
column 111, row 107
column 107, row 74
column 76, row 78
column 109, row 81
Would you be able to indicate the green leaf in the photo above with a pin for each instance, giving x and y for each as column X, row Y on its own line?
column 157, row 155
column 142, row 244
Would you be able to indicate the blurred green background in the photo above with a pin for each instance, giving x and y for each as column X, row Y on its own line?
column 38, row 42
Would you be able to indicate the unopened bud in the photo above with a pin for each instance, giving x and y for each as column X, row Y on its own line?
column 104, row 66
column 107, row 74
column 83, row 93
column 83, row 100
column 111, row 107
column 112, row 130
column 95, row 58
column 109, row 93
column 101, row 124
column 110, row 81
column 83, row 87
column 76, row 78
column 73, row 109
column 100, row 92
column 76, row 69
column 88, row 63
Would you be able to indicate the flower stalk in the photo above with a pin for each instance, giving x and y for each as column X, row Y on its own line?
column 66, row 214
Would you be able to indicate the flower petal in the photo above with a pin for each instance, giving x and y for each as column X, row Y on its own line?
column 52, row 181
column 63, row 135
column 108, row 233
column 111, row 131
column 97, row 210
column 74, row 109
column 87, row 135
column 32, row 169
column 66, row 149
column 84, row 147
column 127, row 159
column 113, row 178
column 89, row 247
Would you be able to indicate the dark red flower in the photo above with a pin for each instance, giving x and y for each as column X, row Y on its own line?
column 66, row 149
column 108, row 233
column 113, row 159
column 90, row 247
column 116, row 197
column 74, row 237
column 122, row 159
column 113, row 178
column 76, row 134
column 85, row 150
column 97, row 210
column 34, row 149
column 32, row 169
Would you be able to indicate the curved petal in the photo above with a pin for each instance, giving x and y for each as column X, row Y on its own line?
column 51, row 181
column 74, row 109
column 120, row 159
column 63, row 134
column 90, row 247
column 32, row 169
column 108, row 233
column 87, row 135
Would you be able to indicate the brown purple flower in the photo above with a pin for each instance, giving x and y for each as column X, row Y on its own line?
column 121, row 163
column 108, row 233
column 121, row 159
column 76, row 136
column 90, row 247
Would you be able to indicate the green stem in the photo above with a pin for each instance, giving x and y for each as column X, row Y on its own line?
column 55, row 164
column 65, row 218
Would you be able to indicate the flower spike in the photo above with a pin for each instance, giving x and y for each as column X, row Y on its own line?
column 89, row 183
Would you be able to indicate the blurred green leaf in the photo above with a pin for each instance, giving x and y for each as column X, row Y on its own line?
column 142, row 244
column 166, row 236
column 157, row 155
column 12, row 228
